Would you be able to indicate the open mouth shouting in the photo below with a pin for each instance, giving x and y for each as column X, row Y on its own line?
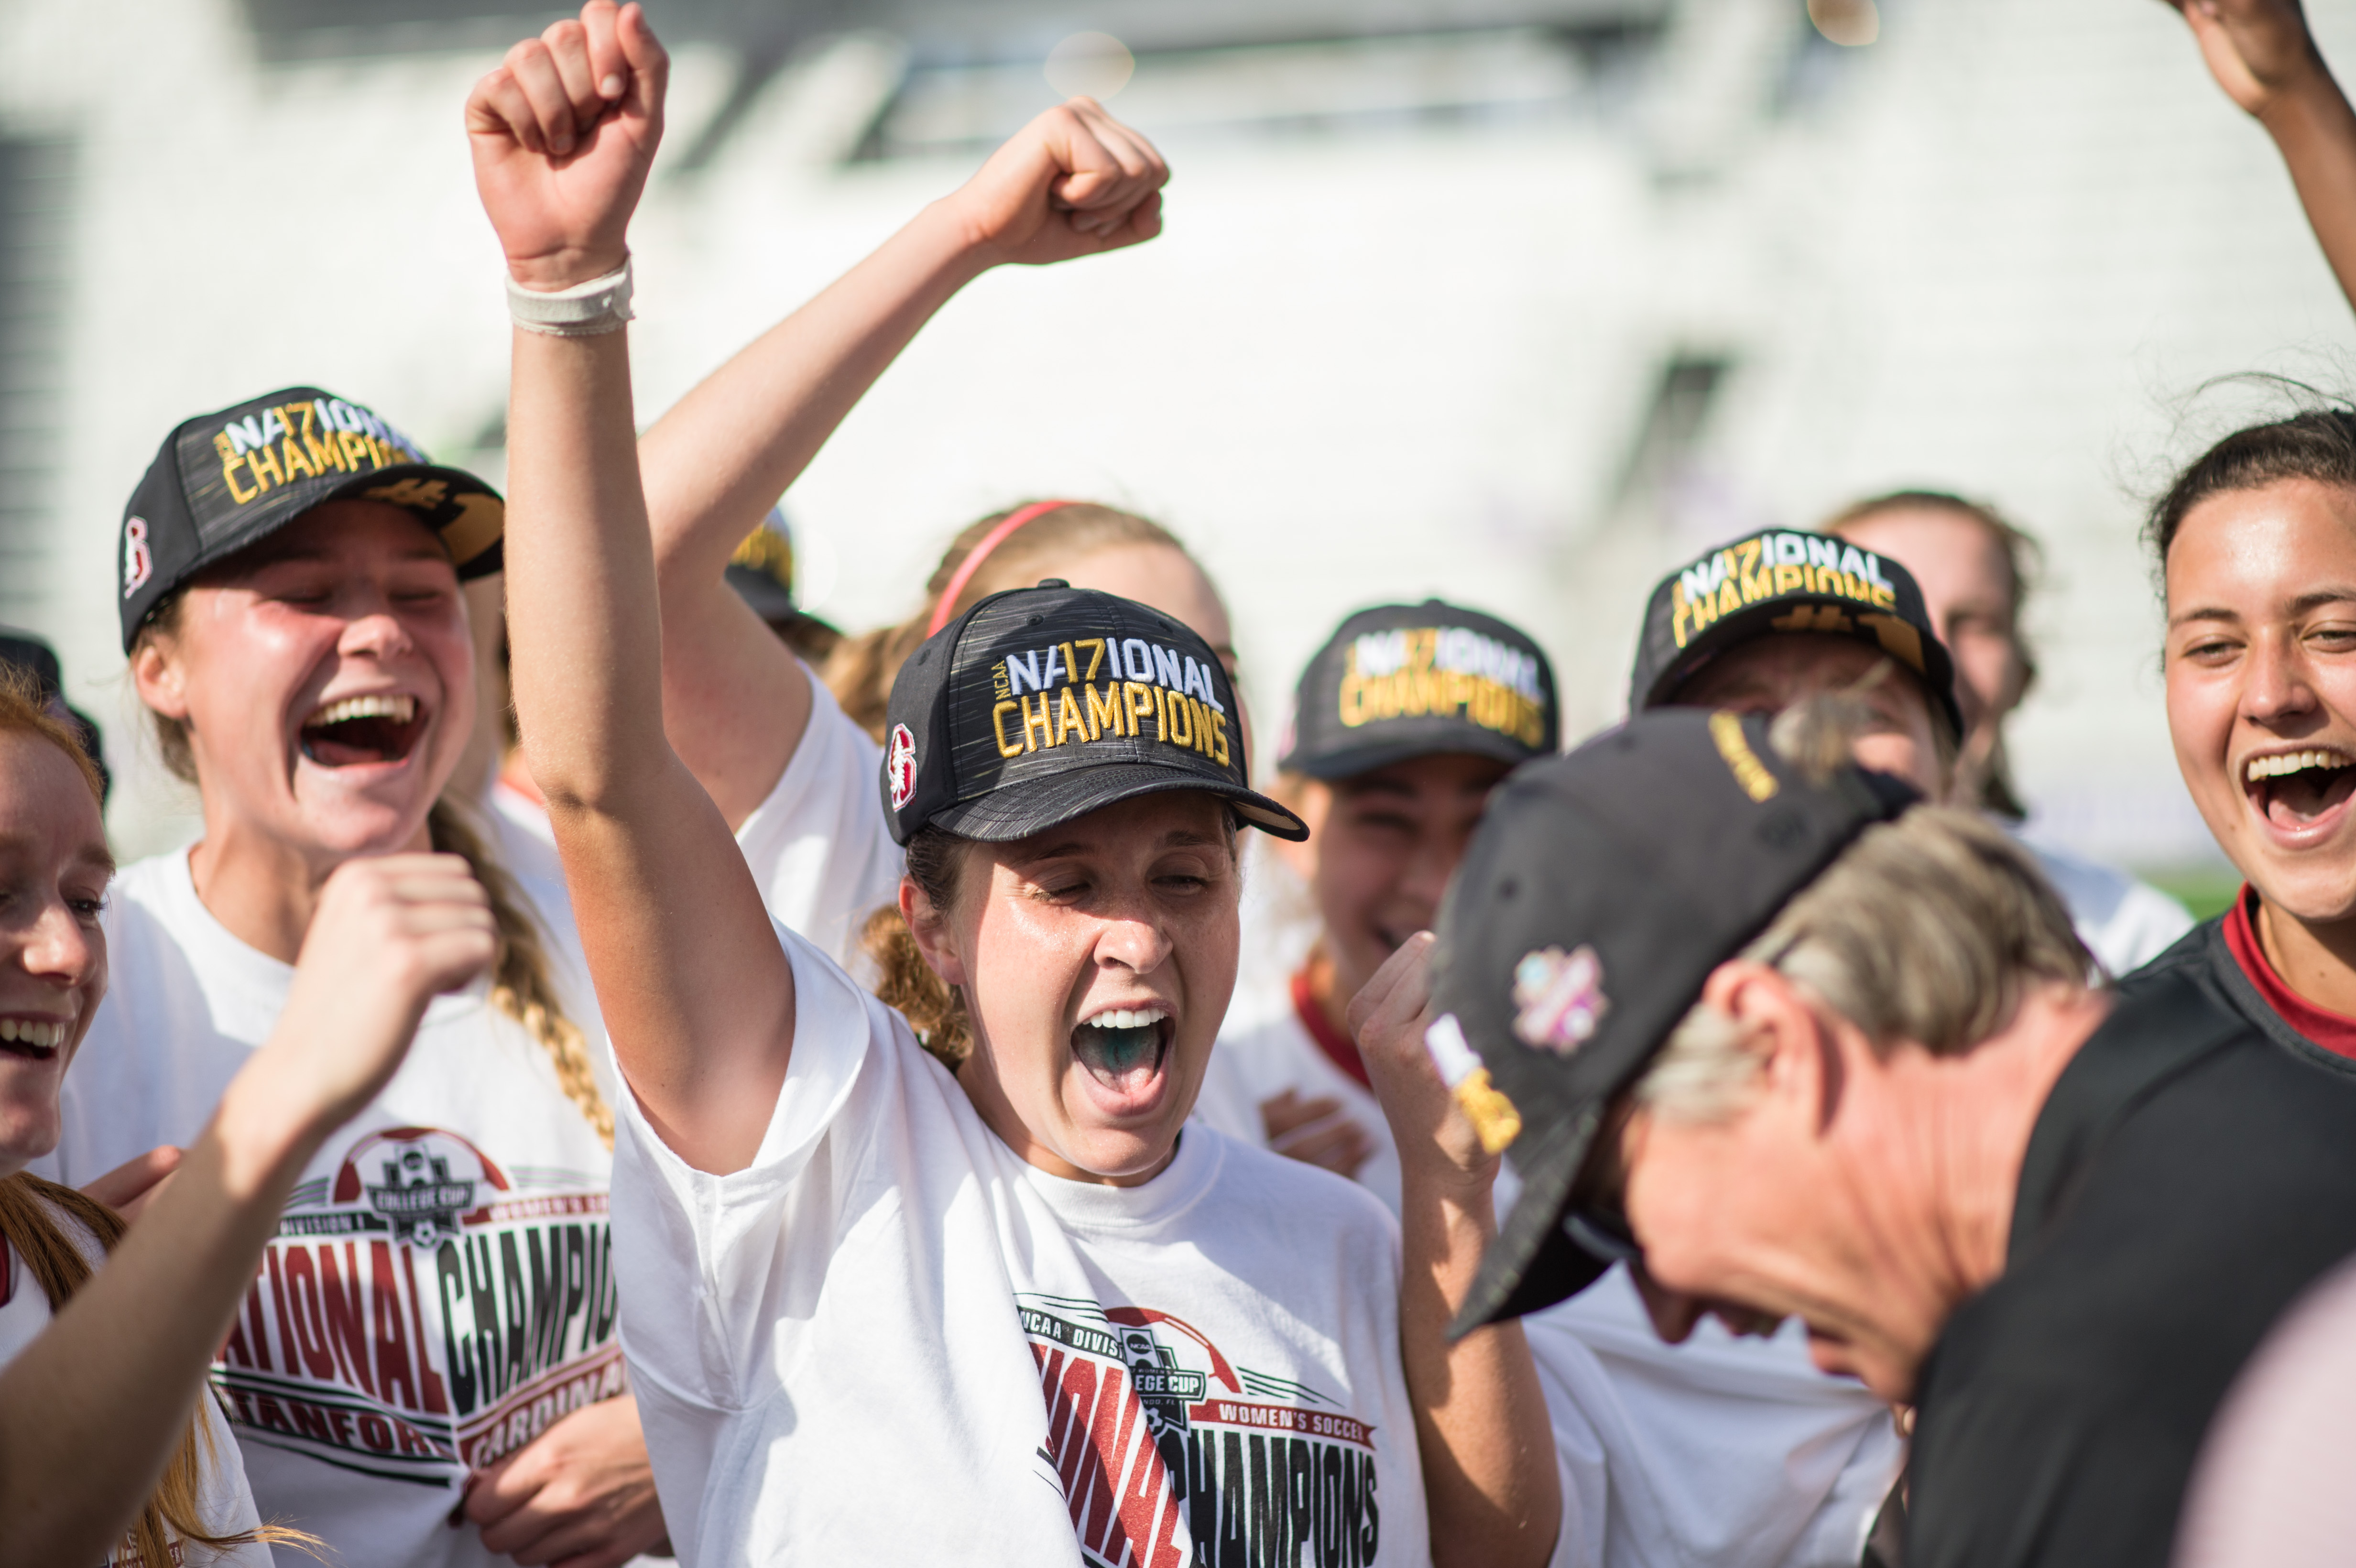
column 35, row 1039
column 355, row 731
column 2298, row 791
column 1125, row 1051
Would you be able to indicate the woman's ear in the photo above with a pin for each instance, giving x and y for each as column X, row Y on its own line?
column 158, row 679
column 932, row 934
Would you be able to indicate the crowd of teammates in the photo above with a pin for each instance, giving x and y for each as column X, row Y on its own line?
column 725, row 1105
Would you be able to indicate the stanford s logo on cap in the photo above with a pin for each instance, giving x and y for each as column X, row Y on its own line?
column 900, row 766
column 137, row 563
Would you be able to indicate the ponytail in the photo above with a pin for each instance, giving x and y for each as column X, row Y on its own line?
column 29, row 1210
column 520, row 987
column 934, row 1009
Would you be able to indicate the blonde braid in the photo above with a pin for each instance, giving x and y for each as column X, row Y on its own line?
column 520, row 987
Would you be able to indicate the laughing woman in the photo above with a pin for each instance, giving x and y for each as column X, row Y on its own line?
column 874, row 1308
column 430, row 1337
column 2257, row 543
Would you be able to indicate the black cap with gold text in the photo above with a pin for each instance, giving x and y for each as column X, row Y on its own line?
column 224, row 481
column 1786, row 580
column 1417, row 680
column 1039, row 705
column 1600, row 891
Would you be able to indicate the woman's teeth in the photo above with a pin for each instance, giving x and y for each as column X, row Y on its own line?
column 30, row 1031
column 1124, row 1018
column 400, row 709
column 1122, row 1046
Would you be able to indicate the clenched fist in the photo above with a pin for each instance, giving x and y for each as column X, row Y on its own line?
column 563, row 132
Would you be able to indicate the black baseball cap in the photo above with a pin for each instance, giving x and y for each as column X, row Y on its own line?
column 1598, row 892
column 1786, row 579
column 1416, row 681
column 761, row 569
column 223, row 481
column 1039, row 705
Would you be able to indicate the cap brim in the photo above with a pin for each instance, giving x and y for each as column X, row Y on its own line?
column 1019, row 810
column 1458, row 741
column 1533, row 1263
column 473, row 538
column 1757, row 620
column 763, row 592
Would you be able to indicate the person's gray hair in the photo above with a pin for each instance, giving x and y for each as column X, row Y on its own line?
column 1931, row 929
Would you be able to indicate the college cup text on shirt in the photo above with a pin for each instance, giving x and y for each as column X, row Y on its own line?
column 425, row 1312
column 1146, row 686
column 1167, row 1465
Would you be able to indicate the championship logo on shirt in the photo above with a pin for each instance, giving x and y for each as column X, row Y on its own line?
column 1168, row 1454
column 423, row 1311
column 900, row 766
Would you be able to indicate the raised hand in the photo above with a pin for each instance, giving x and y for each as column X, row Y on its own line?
column 563, row 132
column 2257, row 49
column 1390, row 1018
column 390, row 933
column 1073, row 182
column 130, row 1187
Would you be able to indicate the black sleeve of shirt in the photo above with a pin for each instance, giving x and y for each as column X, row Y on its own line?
column 2187, row 1179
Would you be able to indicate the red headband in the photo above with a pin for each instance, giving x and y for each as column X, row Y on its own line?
column 979, row 553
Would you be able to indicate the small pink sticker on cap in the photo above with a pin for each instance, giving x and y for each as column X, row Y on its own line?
column 1561, row 999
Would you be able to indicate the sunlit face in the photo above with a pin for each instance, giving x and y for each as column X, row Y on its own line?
column 2261, row 661
column 326, row 680
column 1967, row 587
column 1159, row 578
column 54, row 868
column 1794, row 1205
column 1096, row 960
column 1380, row 851
column 1767, row 675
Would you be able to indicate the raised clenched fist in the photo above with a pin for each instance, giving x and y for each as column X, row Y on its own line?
column 390, row 933
column 563, row 132
column 1073, row 182
column 2256, row 49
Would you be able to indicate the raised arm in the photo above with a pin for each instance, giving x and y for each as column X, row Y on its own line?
column 1480, row 1422
column 698, row 997
column 1074, row 182
column 2262, row 55
column 92, row 1409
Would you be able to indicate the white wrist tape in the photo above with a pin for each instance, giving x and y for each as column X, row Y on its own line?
column 585, row 310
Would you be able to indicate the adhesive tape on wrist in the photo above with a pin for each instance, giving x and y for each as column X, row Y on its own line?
column 585, row 310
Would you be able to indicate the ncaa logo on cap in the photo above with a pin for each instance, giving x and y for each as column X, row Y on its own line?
column 900, row 766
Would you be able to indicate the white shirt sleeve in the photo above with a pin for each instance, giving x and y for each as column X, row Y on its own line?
column 819, row 846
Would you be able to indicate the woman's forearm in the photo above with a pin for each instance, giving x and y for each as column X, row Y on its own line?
column 2313, row 127
column 1487, row 1443
column 91, row 1412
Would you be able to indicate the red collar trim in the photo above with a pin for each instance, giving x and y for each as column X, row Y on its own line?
column 1338, row 1047
column 2335, row 1032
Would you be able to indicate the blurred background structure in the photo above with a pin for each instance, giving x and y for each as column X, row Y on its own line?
column 1514, row 301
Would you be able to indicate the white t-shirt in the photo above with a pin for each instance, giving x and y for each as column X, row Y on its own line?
column 1261, row 1060
column 1722, row 1451
column 818, row 844
column 442, row 1286
column 2123, row 922
column 224, row 1502
column 888, row 1339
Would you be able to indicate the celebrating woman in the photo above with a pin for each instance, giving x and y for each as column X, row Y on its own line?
column 111, row 1446
column 430, row 1338
column 1016, row 1288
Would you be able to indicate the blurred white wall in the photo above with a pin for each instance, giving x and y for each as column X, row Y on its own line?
column 1377, row 356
